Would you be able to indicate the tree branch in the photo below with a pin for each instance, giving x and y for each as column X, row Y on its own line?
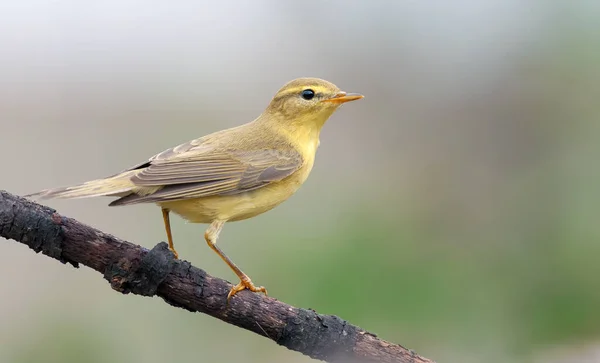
column 133, row 269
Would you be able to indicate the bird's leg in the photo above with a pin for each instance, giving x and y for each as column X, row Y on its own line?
column 165, row 213
column 211, row 235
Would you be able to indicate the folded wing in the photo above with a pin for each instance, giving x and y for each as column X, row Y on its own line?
column 193, row 172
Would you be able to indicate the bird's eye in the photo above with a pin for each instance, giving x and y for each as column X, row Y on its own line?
column 308, row 94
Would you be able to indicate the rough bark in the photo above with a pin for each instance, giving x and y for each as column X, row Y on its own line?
column 130, row 268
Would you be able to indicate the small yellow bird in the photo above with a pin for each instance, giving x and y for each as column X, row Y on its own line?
column 229, row 175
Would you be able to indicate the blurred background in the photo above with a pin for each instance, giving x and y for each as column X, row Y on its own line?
column 454, row 210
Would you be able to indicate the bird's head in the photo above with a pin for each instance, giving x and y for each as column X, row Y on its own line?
column 307, row 102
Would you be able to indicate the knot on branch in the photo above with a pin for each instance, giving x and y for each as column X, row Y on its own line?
column 140, row 272
column 327, row 337
column 37, row 226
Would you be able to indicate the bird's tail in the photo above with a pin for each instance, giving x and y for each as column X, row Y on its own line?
column 117, row 185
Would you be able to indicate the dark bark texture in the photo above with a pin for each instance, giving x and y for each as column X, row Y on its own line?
column 130, row 268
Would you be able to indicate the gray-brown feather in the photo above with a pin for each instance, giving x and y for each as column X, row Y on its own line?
column 202, row 168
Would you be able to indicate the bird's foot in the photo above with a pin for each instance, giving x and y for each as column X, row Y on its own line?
column 174, row 252
column 245, row 284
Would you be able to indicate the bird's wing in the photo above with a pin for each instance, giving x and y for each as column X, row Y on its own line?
column 197, row 169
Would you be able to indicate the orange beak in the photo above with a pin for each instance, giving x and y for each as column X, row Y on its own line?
column 344, row 97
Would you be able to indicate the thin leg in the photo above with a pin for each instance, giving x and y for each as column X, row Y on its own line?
column 211, row 235
column 165, row 213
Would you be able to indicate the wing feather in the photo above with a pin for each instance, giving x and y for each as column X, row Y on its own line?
column 208, row 172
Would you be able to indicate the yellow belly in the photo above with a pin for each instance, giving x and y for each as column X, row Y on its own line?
column 240, row 206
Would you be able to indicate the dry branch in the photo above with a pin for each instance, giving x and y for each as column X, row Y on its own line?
column 133, row 269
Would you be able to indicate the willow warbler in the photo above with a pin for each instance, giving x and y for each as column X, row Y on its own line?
column 229, row 175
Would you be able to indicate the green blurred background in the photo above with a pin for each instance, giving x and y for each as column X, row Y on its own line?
column 454, row 210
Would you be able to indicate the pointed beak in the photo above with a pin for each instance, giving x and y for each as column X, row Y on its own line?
column 344, row 97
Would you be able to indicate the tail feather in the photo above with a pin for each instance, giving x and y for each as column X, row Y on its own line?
column 116, row 186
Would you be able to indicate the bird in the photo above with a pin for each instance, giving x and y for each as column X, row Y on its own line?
column 232, row 174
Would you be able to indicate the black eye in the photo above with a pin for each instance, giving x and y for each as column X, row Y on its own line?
column 308, row 94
